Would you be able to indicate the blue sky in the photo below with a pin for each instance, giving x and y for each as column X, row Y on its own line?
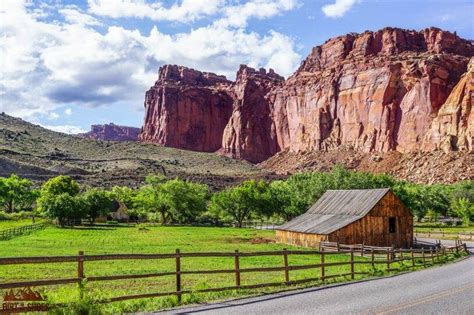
column 69, row 64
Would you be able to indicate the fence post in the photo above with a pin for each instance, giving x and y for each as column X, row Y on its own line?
column 362, row 250
column 80, row 273
column 237, row 268
column 388, row 259
column 412, row 257
column 432, row 256
column 352, row 264
column 423, row 255
column 465, row 248
column 373, row 258
column 285, row 262
column 322, row 265
column 178, row 275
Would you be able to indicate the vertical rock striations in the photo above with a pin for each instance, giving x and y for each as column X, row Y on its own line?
column 187, row 109
column 390, row 90
column 250, row 132
column 453, row 127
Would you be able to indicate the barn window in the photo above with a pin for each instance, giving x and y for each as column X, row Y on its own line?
column 392, row 225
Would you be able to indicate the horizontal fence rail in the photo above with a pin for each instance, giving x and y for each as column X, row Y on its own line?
column 374, row 256
column 20, row 230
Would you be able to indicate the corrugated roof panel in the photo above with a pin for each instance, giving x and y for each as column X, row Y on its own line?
column 334, row 210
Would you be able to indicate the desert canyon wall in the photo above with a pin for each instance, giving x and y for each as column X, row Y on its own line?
column 389, row 90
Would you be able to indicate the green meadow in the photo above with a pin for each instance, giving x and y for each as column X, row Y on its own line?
column 155, row 239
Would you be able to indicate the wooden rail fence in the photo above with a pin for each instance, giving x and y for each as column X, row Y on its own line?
column 375, row 256
column 19, row 230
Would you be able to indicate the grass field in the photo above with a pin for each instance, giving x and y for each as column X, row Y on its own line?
column 445, row 232
column 8, row 224
column 104, row 240
column 443, row 228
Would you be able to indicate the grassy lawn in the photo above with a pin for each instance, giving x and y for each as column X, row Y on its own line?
column 443, row 231
column 8, row 224
column 56, row 241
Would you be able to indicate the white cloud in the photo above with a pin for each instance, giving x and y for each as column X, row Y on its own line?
column 339, row 8
column 48, row 64
column 232, row 12
column 238, row 15
column 187, row 10
column 75, row 16
column 68, row 111
column 65, row 129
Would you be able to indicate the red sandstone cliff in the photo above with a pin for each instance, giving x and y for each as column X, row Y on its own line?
column 390, row 90
column 249, row 134
column 112, row 132
column 187, row 109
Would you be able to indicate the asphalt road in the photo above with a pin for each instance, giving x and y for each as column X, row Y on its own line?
column 447, row 289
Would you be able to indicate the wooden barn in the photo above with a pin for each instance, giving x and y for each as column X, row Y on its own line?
column 373, row 217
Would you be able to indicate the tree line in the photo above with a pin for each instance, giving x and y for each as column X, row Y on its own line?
column 177, row 201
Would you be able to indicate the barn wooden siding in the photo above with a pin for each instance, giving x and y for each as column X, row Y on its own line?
column 372, row 229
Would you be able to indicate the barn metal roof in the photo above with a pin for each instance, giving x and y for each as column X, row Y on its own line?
column 334, row 210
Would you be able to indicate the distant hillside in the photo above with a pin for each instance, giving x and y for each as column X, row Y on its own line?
column 38, row 153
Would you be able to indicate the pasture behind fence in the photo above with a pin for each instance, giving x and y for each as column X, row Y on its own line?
column 466, row 235
column 20, row 230
column 373, row 256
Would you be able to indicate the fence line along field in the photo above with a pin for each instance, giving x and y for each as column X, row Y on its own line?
column 395, row 260
column 54, row 241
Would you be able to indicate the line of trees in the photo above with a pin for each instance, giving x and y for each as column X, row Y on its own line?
column 184, row 202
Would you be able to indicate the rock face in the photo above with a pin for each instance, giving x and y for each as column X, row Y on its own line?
column 453, row 127
column 390, row 90
column 249, row 134
column 187, row 109
column 112, row 132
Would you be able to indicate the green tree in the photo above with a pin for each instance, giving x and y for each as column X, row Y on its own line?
column 16, row 194
column 60, row 185
column 240, row 202
column 124, row 195
column 462, row 190
column 149, row 200
column 306, row 188
column 282, row 200
column 464, row 209
column 57, row 190
column 97, row 203
column 227, row 205
column 63, row 207
column 185, row 200
column 175, row 200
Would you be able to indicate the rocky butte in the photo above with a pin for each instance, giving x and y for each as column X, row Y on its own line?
column 112, row 132
column 389, row 90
